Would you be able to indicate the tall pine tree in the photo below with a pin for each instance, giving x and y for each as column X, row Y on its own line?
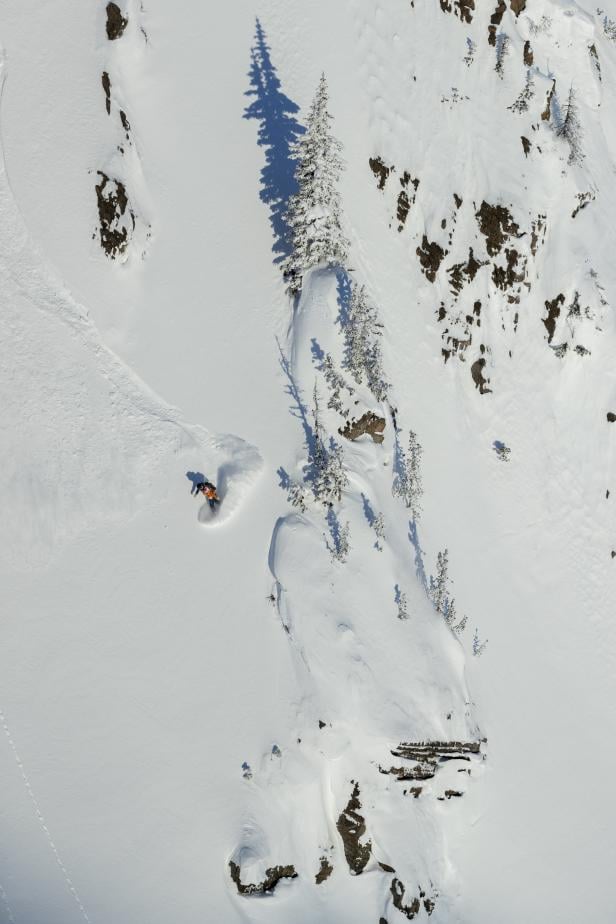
column 314, row 214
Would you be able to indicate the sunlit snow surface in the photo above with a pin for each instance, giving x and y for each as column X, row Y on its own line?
column 146, row 656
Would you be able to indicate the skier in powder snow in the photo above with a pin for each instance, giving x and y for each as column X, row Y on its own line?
column 209, row 492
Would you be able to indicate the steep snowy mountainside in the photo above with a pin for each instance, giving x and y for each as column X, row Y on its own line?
column 286, row 709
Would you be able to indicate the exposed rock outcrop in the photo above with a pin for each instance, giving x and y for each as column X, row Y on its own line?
column 352, row 828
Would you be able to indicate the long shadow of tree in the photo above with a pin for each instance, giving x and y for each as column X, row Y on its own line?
column 278, row 131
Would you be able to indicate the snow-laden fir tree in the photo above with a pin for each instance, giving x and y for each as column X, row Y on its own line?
column 378, row 525
column 439, row 593
column 327, row 474
column 314, row 213
column 340, row 534
column 336, row 384
column 363, row 349
column 478, row 646
column 407, row 478
column 401, row 603
column 571, row 130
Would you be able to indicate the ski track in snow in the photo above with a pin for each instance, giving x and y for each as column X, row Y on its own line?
column 43, row 824
column 7, row 907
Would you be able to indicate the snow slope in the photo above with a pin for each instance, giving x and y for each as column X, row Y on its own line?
column 144, row 658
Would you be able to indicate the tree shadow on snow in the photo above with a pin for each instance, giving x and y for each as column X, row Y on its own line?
column 298, row 408
column 344, row 290
column 420, row 568
column 278, row 131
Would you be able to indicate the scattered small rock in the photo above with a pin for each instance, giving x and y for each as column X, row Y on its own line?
column 611, row 416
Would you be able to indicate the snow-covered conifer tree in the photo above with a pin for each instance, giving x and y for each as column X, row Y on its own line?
column 314, row 213
column 407, row 470
column 571, row 129
column 439, row 585
column 328, row 476
column 363, row 350
column 336, row 384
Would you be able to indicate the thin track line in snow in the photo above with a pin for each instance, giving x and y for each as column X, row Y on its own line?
column 43, row 824
column 5, row 901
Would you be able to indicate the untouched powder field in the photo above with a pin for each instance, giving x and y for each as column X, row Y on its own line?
column 378, row 682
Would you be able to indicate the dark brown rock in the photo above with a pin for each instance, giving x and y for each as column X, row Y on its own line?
column 528, row 54
column 352, row 827
column 495, row 20
column 430, row 256
column 496, row 225
column 112, row 203
column 547, row 112
column 478, row 377
column 409, row 910
column 368, row 423
column 116, row 22
column 273, row 875
column 553, row 309
column 106, row 82
column 380, row 170
column 325, row 871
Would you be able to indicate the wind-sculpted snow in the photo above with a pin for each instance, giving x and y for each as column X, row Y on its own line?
column 87, row 440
